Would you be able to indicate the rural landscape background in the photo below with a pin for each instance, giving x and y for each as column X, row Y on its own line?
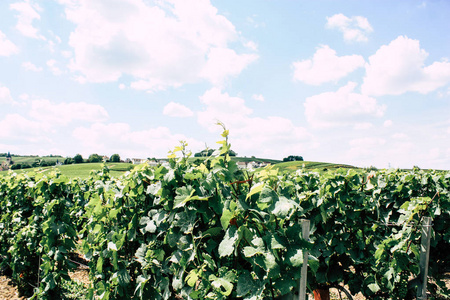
column 364, row 83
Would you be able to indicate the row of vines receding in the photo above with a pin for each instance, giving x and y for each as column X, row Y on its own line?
column 214, row 231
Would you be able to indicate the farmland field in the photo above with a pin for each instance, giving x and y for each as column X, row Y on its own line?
column 80, row 170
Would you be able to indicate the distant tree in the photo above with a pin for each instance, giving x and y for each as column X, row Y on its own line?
column 115, row 158
column 68, row 161
column 16, row 166
column 78, row 159
column 204, row 153
column 95, row 158
column 293, row 158
column 209, row 152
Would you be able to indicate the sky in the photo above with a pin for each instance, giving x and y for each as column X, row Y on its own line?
column 365, row 83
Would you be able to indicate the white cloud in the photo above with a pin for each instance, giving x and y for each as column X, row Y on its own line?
column 326, row 66
column 224, row 62
column 44, row 128
column 51, row 63
column 251, row 45
column 367, row 142
column 29, row 66
column 165, row 45
column 255, row 24
column 18, row 128
column 7, row 47
column 250, row 134
column 400, row 67
column 354, row 29
column 67, row 54
column 400, row 136
column 47, row 112
column 27, row 12
column 363, row 126
column 342, row 108
column 258, row 97
column 120, row 138
column 222, row 107
column 173, row 109
column 388, row 123
column 366, row 150
column 5, row 95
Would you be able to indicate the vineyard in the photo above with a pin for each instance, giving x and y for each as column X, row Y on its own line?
column 214, row 231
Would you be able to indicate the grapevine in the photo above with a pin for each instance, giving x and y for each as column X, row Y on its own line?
column 212, row 231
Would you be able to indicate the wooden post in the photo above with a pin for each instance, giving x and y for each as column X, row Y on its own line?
column 424, row 258
column 304, row 272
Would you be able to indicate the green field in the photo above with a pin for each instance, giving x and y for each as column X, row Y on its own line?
column 117, row 169
column 310, row 166
column 32, row 159
column 81, row 170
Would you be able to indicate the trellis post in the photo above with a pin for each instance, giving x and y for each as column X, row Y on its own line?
column 424, row 259
column 305, row 235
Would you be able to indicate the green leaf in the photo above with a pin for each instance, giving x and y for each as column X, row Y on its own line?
column 295, row 257
column 192, row 277
column 100, row 265
column 124, row 277
column 183, row 197
column 112, row 246
column 224, row 286
column 283, row 207
column 226, row 247
column 255, row 189
column 374, row 287
column 215, row 231
column 225, row 218
column 151, row 227
column 245, row 284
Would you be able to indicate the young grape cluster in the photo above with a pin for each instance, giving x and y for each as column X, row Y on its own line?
column 401, row 288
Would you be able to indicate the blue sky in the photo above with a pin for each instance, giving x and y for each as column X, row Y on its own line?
column 365, row 83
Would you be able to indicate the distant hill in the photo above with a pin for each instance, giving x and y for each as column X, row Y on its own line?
column 310, row 165
column 83, row 170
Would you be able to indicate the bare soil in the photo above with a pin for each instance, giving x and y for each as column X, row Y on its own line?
column 9, row 292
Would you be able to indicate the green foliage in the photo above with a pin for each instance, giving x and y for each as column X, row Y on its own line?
column 212, row 231
column 93, row 158
column 68, row 161
column 209, row 152
column 114, row 158
column 293, row 158
column 37, row 232
column 78, row 159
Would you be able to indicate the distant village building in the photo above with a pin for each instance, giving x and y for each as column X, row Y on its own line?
column 152, row 163
column 242, row 164
column 137, row 161
column 251, row 165
column 7, row 163
column 4, row 166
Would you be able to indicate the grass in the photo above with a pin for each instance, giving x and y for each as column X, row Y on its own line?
column 31, row 159
column 244, row 159
column 117, row 169
column 310, row 165
column 81, row 170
